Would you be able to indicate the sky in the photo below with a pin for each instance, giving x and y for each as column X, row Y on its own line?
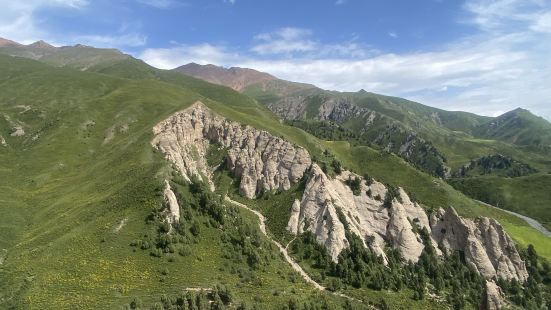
column 481, row 56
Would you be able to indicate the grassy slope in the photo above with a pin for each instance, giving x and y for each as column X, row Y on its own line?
column 453, row 134
column 66, row 191
column 512, row 194
column 458, row 146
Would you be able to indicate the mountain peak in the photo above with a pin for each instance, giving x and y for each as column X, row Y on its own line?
column 42, row 45
column 516, row 113
column 234, row 77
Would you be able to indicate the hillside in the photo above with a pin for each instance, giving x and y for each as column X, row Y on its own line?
column 435, row 141
column 519, row 127
column 84, row 217
column 78, row 56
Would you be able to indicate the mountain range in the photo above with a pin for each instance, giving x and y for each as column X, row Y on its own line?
column 201, row 187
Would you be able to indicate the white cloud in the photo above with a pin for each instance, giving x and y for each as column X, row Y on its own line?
column 163, row 4
column 130, row 39
column 542, row 22
column 291, row 42
column 284, row 41
column 510, row 15
column 339, row 2
column 169, row 58
column 17, row 20
column 230, row 1
column 392, row 34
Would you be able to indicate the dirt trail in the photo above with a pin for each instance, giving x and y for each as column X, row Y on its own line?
column 283, row 250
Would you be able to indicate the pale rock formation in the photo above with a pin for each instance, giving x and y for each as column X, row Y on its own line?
column 263, row 162
column 292, row 226
column 492, row 298
column 17, row 131
column 171, row 204
column 260, row 160
column 3, row 141
column 366, row 217
column 485, row 244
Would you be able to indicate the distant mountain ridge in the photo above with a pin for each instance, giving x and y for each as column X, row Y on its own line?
column 78, row 56
column 234, row 77
column 519, row 127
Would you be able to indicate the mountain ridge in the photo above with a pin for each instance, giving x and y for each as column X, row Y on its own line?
column 233, row 77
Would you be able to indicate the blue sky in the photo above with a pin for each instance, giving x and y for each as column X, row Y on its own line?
column 483, row 56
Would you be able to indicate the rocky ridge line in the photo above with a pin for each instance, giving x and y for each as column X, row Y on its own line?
column 485, row 244
column 261, row 161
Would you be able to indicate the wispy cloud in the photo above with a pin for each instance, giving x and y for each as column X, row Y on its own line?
column 163, row 4
column 129, row 39
column 339, row 2
column 284, row 41
column 169, row 58
column 291, row 42
column 392, row 34
column 510, row 15
column 17, row 20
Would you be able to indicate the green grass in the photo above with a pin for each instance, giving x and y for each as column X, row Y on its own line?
column 526, row 195
column 64, row 193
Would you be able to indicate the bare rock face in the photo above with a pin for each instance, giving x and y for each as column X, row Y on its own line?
column 261, row 161
column 485, row 244
column 171, row 204
column 365, row 216
column 492, row 298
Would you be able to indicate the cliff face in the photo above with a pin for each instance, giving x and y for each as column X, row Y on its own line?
column 485, row 244
column 258, row 159
column 483, row 241
column 365, row 215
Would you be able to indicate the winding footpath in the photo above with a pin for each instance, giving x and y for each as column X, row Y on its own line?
column 283, row 250
column 532, row 222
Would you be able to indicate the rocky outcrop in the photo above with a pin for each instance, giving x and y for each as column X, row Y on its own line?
column 492, row 298
column 485, row 244
column 171, row 203
column 365, row 214
column 261, row 161
column 329, row 208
